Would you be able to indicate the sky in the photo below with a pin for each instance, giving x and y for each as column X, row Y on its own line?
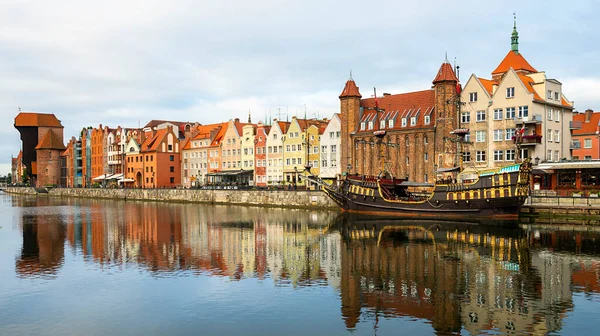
column 127, row 62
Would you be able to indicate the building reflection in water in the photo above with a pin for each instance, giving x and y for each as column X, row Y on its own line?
column 453, row 275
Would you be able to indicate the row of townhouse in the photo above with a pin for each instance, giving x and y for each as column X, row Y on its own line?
column 259, row 154
column 172, row 154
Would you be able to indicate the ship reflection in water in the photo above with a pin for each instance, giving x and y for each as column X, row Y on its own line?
column 422, row 276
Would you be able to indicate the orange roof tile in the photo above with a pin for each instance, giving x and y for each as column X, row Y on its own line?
column 219, row 137
column 283, row 126
column 528, row 82
column 445, row 73
column 350, row 90
column 515, row 61
column 488, row 85
column 50, row 141
column 32, row 119
column 150, row 144
column 587, row 128
column 565, row 103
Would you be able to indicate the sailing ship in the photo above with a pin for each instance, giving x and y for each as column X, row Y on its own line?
column 497, row 193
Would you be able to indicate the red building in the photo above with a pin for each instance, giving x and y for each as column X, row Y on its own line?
column 260, row 154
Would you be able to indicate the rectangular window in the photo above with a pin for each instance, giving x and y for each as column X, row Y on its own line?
column 172, row 180
column 171, row 157
column 550, row 97
column 391, row 123
column 556, row 136
column 549, row 155
column 498, row 155
column 510, row 92
column 510, row 133
column 510, row 113
column 324, row 163
column 427, row 120
column 287, row 162
column 473, row 96
column 338, row 134
column 587, row 143
column 413, row 121
column 557, row 115
column 480, row 116
column 331, row 135
column 362, row 126
column 556, row 96
column 403, row 122
column 556, row 156
column 498, row 114
column 466, row 156
column 426, row 156
column 370, row 125
column 549, row 113
column 510, row 155
column 468, row 137
column 324, row 149
column 465, row 117
column 172, row 169
column 169, row 147
column 333, row 148
column 480, row 156
column 587, row 157
column 549, row 135
column 523, row 111
column 498, row 135
column 381, row 124
column 480, row 136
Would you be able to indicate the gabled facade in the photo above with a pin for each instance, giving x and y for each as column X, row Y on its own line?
column 247, row 143
column 275, row 152
column 519, row 105
column 260, row 154
column 585, row 144
column 330, row 153
column 196, row 151
column 231, row 151
column 301, row 148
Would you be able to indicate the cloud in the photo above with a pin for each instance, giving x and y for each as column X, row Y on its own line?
column 127, row 62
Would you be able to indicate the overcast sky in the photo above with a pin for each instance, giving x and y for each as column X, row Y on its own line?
column 126, row 62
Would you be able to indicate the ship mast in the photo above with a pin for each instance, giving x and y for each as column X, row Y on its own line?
column 379, row 133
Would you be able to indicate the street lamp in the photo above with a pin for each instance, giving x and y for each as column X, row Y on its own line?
column 349, row 167
column 537, row 160
column 295, row 176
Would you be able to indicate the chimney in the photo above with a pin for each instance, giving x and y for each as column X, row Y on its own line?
column 588, row 115
column 237, row 120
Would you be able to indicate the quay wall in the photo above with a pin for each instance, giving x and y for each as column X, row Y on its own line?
column 272, row 198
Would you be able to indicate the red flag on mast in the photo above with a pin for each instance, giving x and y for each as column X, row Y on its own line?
column 376, row 101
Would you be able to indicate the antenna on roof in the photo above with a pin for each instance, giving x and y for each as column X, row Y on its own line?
column 351, row 75
column 446, row 58
column 305, row 107
column 19, row 108
column 249, row 118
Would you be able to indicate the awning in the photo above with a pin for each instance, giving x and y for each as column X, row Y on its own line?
column 231, row 173
column 126, row 180
column 102, row 177
column 115, row 177
column 444, row 170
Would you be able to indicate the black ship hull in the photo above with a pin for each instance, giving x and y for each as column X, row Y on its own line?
column 495, row 196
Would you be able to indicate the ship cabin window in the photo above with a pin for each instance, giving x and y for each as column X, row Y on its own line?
column 467, row 195
column 458, row 196
column 476, row 194
column 488, row 194
column 450, row 196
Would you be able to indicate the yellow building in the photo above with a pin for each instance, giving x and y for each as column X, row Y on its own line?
column 301, row 148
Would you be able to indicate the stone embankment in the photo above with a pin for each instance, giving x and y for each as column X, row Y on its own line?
column 275, row 198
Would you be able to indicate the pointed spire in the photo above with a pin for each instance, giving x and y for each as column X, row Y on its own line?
column 350, row 89
column 515, row 36
column 350, row 76
column 446, row 58
column 249, row 118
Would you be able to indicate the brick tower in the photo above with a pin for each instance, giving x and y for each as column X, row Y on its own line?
column 350, row 115
column 446, row 90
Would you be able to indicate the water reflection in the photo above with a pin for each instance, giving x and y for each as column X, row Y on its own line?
column 456, row 277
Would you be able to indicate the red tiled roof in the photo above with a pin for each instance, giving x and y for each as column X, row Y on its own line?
column 283, row 126
column 401, row 105
column 150, row 144
column 446, row 73
column 515, row 61
column 565, row 103
column 528, row 82
column 32, row 119
column 240, row 126
column 220, row 135
column 488, row 85
column 587, row 128
column 350, row 90
column 50, row 141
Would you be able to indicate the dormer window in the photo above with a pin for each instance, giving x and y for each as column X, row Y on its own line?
column 473, row 97
column 362, row 126
column 382, row 124
column 556, row 95
column 427, row 120
column 403, row 122
column 413, row 121
column 370, row 125
column 510, row 92
column 391, row 123
column 549, row 94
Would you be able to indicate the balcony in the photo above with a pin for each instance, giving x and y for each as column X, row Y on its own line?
column 575, row 145
column 575, row 125
column 533, row 119
column 528, row 140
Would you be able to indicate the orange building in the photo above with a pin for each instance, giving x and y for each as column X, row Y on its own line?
column 98, row 154
column 585, row 143
column 17, row 168
column 42, row 138
column 195, row 152
column 155, row 163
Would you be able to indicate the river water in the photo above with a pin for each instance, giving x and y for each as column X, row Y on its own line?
column 91, row 267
